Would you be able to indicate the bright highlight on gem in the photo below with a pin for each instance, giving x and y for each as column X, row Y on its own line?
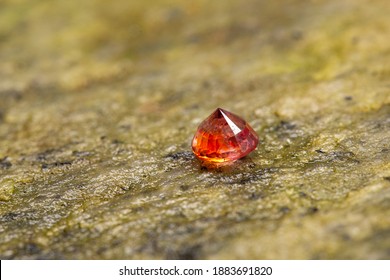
column 223, row 137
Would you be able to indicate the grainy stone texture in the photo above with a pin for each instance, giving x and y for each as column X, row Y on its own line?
column 99, row 101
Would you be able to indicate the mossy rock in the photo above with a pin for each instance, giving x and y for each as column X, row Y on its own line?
column 100, row 101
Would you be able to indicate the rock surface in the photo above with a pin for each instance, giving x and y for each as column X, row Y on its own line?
column 99, row 102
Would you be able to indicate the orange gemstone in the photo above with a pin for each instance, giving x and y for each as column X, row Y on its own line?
column 224, row 136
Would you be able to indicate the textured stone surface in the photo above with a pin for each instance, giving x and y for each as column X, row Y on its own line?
column 99, row 102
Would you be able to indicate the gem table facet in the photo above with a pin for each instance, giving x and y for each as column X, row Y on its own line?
column 223, row 137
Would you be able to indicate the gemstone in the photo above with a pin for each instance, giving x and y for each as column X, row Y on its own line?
column 223, row 137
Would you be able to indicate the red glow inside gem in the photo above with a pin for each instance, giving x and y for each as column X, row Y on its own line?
column 224, row 136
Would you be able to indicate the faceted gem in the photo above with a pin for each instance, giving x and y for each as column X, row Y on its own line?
column 222, row 137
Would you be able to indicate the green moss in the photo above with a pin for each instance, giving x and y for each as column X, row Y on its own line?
column 7, row 188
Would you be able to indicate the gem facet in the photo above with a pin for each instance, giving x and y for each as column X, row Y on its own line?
column 222, row 137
